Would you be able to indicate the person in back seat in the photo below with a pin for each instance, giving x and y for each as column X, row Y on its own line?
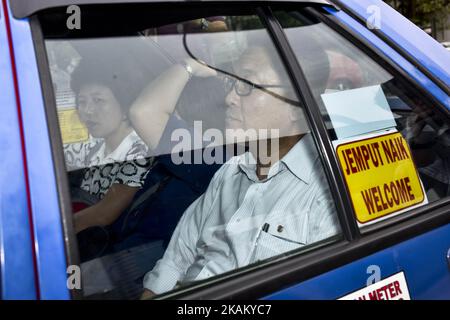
column 170, row 188
column 114, row 161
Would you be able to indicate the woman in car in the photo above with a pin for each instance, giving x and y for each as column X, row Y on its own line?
column 114, row 161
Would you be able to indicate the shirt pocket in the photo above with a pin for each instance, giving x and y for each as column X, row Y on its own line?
column 269, row 245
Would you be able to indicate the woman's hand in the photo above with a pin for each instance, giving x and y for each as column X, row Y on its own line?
column 104, row 213
column 147, row 294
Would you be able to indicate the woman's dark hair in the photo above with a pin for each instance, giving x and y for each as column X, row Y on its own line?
column 124, row 65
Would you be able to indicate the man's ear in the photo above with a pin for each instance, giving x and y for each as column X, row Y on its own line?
column 295, row 113
column 298, row 116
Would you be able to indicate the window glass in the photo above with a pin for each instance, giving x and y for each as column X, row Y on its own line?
column 187, row 151
column 392, row 144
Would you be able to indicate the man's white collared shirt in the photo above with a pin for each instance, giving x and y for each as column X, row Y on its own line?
column 240, row 219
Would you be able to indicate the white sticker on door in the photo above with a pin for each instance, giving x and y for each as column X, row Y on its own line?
column 392, row 288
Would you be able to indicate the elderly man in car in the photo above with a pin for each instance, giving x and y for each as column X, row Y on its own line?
column 260, row 204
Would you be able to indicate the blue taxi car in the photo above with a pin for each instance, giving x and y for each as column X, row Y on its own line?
column 393, row 242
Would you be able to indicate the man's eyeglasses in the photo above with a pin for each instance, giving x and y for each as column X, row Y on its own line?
column 244, row 88
column 241, row 86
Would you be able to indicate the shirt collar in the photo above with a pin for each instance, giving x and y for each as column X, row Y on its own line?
column 299, row 160
column 120, row 153
column 123, row 148
column 247, row 163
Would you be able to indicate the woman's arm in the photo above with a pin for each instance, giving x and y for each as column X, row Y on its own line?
column 106, row 211
column 150, row 112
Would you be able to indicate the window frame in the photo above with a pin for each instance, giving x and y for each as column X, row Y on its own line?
column 387, row 64
column 271, row 276
column 395, row 46
column 62, row 180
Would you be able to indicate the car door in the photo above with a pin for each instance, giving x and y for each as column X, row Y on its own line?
column 329, row 269
column 119, row 274
column 433, row 247
column 44, row 237
column 17, row 275
column 421, row 263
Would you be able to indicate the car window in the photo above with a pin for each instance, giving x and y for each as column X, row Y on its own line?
column 188, row 153
column 391, row 142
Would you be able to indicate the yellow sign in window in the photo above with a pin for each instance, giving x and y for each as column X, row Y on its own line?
column 72, row 130
column 381, row 176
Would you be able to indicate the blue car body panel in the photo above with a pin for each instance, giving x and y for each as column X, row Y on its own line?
column 339, row 282
column 16, row 256
column 421, row 258
column 49, row 239
column 424, row 261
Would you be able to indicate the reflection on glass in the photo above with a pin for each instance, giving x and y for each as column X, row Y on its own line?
column 188, row 152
